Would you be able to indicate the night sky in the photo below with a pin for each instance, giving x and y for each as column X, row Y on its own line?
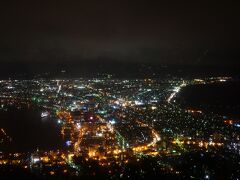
column 197, row 34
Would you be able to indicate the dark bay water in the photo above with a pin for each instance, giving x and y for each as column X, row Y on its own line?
column 29, row 131
column 222, row 98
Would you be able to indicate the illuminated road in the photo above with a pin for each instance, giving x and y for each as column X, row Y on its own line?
column 175, row 92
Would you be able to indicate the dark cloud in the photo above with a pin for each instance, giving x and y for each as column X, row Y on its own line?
column 138, row 31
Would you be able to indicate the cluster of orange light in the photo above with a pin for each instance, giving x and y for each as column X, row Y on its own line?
column 229, row 122
column 194, row 111
column 64, row 115
column 139, row 149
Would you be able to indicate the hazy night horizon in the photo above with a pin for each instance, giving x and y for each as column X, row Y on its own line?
column 137, row 31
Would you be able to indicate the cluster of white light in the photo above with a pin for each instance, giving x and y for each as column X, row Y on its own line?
column 112, row 122
column 138, row 103
column 44, row 114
